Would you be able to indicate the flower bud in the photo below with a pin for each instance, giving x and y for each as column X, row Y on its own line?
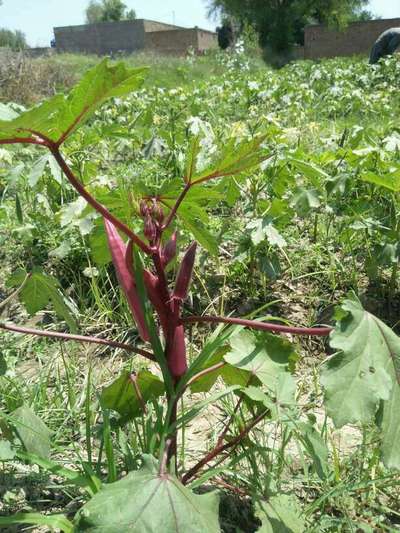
column 144, row 209
column 150, row 230
column 158, row 213
column 169, row 250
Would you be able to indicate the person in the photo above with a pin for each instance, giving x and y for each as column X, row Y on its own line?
column 386, row 44
column 53, row 43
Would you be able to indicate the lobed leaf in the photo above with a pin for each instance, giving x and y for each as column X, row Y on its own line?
column 60, row 116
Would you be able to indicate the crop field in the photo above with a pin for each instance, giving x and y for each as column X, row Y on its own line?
column 199, row 298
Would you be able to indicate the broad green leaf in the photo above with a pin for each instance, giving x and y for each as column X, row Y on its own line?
column 262, row 229
column 55, row 521
column 365, row 375
column 7, row 453
column 388, row 181
column 121, row 395
column 264, row 355
column 281, row 514
column 192, row 223
column 305, row 200
column 39, row 290
column 32, row 431
column 280, row 397
column 235, row 157
column 147, row 502
column 61, row 115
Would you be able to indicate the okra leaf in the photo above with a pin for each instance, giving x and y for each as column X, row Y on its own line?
column 233, row 158
column 157, row 502
column 264, row 355
column 39, row 290
column 61, row 115
column 122, row 396
column 364, row 376
column 281, row 514
column 305, row 200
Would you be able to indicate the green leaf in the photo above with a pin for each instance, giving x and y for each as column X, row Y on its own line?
column 61, row 115
column 365, row 375
column 311, row 171
column 37, row 170
column 32, row 431
column 262, row 229
column 305, row 200
column 388, row 181
column 264, row 355
column 39, row 290
column 315, row 447
column 121, row 395
column 235, row 157
column 281, row 514
column 192, row 222
column 147, row 502
column 7, row 453
column 6, row 113
column 55, row 521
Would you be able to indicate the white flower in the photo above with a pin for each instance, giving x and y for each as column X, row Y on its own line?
column 91, row 272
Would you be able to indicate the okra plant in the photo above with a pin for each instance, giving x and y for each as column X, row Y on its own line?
column 361, row 380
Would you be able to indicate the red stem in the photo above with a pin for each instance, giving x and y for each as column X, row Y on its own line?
column 263, row 326
column 221, row 448
column 175, row 208
column 78, row 338
column 94, row 203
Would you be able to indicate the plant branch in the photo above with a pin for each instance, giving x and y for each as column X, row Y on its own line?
column 222, row 448
column 77, row 338
column 175, row 208
column 206, row 371
column 262, row 326
column 94, row 203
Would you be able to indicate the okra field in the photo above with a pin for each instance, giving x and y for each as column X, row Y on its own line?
column 199, row 300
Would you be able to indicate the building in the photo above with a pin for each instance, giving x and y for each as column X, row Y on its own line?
column 105, row 38
column 357, row 38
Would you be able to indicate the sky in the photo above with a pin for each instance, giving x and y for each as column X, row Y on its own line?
column 36, row 18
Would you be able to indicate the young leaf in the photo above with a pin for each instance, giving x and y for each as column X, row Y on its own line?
column 61, row 115
column 156, row 502
column 281, row 514
column 364, row 375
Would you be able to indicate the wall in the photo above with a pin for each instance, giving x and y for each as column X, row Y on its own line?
column 206, row 40
column 178, row 41
column 102, row 39
column 358, row 38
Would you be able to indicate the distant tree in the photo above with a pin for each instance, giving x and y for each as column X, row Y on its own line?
column 94, row 12
column 225, row 34
column 15, row 40
column 280, row 23
column 108, row 11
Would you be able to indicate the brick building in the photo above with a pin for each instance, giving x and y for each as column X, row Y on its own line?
column 357, row 38
column 130, row 36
